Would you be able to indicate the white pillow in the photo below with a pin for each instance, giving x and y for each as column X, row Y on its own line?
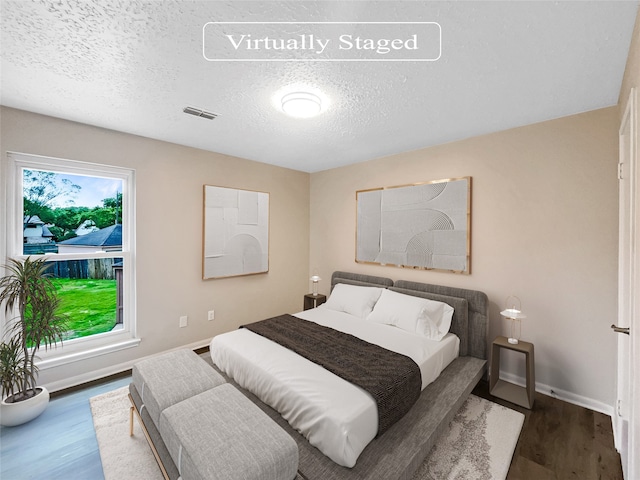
column 352, row 299
column 414, row 314
column 436, row 321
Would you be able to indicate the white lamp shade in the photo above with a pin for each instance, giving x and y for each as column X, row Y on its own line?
column 515, row 316
column 315, row 279
column 513, row 313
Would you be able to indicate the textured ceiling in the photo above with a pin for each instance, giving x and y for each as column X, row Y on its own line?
column 133, row 66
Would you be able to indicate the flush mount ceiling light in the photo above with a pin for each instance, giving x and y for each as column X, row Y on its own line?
column 301, row 104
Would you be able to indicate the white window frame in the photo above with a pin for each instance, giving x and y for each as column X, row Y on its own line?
column 99, row 344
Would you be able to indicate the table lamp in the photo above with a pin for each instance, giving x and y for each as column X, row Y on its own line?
column 515, row 315
column 315, row 279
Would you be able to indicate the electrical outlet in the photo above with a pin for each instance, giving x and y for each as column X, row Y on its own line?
column 211, row 315
column 183, row 321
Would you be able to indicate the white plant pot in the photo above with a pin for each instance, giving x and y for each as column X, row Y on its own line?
column 12, row 414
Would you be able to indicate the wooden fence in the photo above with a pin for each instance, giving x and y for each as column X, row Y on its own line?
column 95, row 268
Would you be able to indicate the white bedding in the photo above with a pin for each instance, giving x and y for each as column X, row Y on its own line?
column 334, row 415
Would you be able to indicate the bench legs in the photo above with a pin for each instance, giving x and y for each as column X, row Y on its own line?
column 133, row 408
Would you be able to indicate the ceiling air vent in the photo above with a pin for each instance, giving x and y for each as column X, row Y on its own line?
column 200, row 113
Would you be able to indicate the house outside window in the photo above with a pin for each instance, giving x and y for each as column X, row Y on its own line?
column 80, row 216
column 36, row 232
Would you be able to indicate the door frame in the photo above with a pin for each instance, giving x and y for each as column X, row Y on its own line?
column 626, row 418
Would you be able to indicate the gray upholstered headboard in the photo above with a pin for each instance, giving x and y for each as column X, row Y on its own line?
column 470, row 318
column 360, row 280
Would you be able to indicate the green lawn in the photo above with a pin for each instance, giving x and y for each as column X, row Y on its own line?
column 89, row 304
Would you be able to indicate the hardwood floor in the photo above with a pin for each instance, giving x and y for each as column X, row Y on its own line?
column 58, row 445
column 561, row 441
column 558, row 441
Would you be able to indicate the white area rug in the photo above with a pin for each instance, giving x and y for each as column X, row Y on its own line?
column 123, row 457
column 478, row 445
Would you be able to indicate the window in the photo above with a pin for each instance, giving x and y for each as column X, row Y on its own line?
column 80, row 216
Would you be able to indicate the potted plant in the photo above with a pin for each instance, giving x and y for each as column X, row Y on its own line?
column 27, row 292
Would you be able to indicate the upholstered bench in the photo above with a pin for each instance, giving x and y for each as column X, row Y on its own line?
column 220, row 434
column 204, row 427
column 170, row 378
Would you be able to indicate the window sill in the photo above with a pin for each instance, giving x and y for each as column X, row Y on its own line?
column 58, row 357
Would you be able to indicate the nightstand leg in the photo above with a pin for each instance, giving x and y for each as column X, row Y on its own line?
column 495, row 366
column 531, row 379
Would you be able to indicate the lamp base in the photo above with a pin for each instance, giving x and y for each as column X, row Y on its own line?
column 513, row 341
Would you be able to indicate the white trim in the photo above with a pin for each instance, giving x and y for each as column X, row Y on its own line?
column 85, row 347
column 626, row 419
column 6, row 202
column 81, row 348
column 65, row 357
column 561, row 394
column 555, row 392
column 114, row 369
column 38, row 162
column 633, row 454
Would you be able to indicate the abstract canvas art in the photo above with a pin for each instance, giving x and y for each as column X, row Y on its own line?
column 236, row 232
column 425, row 225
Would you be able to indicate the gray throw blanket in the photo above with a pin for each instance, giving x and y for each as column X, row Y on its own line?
column 394, row 380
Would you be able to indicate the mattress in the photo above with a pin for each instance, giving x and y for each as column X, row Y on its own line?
column 334, row 415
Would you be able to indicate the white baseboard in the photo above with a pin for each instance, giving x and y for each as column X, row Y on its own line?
column 564, row 395
column 561, row 394
column 112, row 369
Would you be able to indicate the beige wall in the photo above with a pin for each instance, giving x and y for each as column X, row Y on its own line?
column 544, row 227
column 169, row 181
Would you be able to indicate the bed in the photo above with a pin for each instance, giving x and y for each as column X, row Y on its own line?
column 337, row 420
column 399, row 451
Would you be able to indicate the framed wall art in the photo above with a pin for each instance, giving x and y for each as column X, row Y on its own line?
column 235, row 232
column 423, row 225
